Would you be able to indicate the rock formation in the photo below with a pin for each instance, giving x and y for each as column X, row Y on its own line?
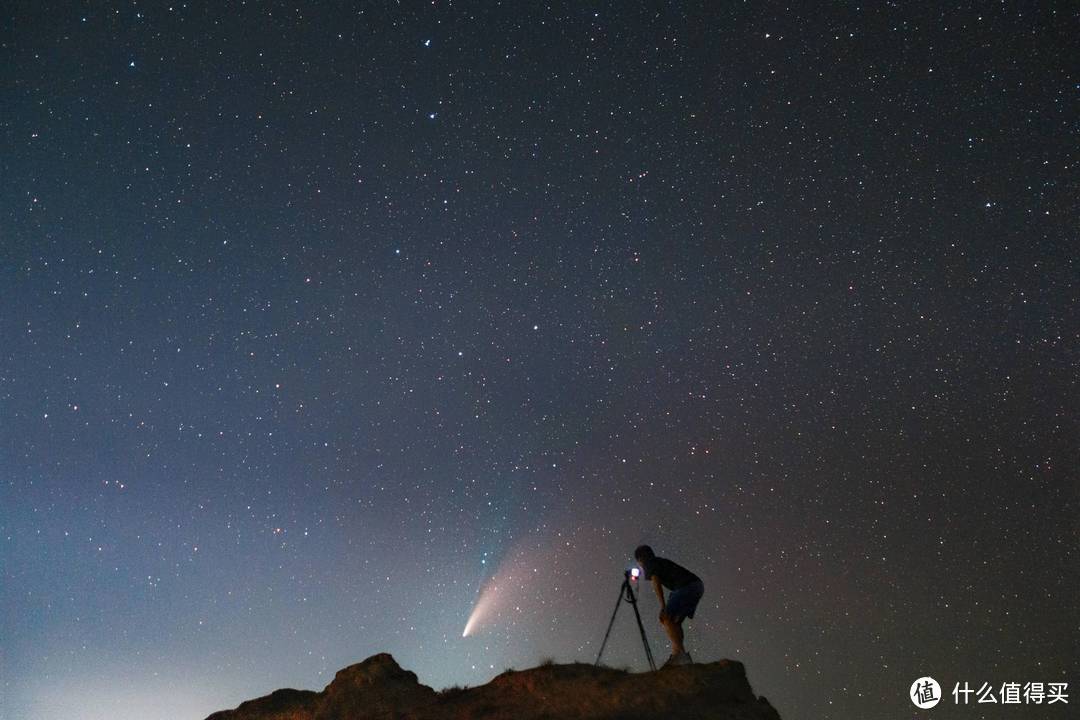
column 378, row 689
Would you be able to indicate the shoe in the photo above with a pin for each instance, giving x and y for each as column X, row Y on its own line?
column 682, row 658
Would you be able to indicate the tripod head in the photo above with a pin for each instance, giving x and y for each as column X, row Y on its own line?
column 631, row 576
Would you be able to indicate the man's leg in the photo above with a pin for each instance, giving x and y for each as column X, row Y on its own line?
column 675, row 634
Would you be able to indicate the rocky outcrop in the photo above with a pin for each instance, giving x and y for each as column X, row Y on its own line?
column 378, row 689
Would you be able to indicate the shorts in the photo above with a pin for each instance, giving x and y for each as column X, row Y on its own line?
column 681, row 603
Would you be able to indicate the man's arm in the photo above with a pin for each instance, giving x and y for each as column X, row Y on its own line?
column 659, row 592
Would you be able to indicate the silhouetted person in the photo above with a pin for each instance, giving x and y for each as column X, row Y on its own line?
column 686, row 590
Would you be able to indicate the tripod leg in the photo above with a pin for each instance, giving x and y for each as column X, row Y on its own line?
column 618, row 602
column 644, row 637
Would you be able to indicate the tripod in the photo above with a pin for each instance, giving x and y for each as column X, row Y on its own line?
column 626, row 594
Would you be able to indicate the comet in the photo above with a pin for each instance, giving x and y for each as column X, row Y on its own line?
column 507, row 588
column 483, row 607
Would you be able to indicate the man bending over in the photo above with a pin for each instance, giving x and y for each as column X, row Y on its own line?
column 686, row 590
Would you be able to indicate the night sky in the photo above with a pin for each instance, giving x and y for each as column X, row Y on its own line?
column 315, row 322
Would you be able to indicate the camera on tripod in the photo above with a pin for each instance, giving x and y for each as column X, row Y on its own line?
column 626, row 594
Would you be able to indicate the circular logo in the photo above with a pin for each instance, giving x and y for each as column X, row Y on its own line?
column 925, row 692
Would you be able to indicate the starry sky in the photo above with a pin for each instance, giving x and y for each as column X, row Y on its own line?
column 318, row 324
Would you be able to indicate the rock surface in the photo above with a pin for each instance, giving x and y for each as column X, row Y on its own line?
column 379, row 689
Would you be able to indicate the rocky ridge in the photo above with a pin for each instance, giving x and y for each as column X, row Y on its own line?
column 379, row 689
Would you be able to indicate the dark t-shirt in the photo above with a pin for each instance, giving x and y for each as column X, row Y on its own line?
column 672, row 575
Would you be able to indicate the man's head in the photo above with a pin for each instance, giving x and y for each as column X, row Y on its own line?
column 643, row 553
